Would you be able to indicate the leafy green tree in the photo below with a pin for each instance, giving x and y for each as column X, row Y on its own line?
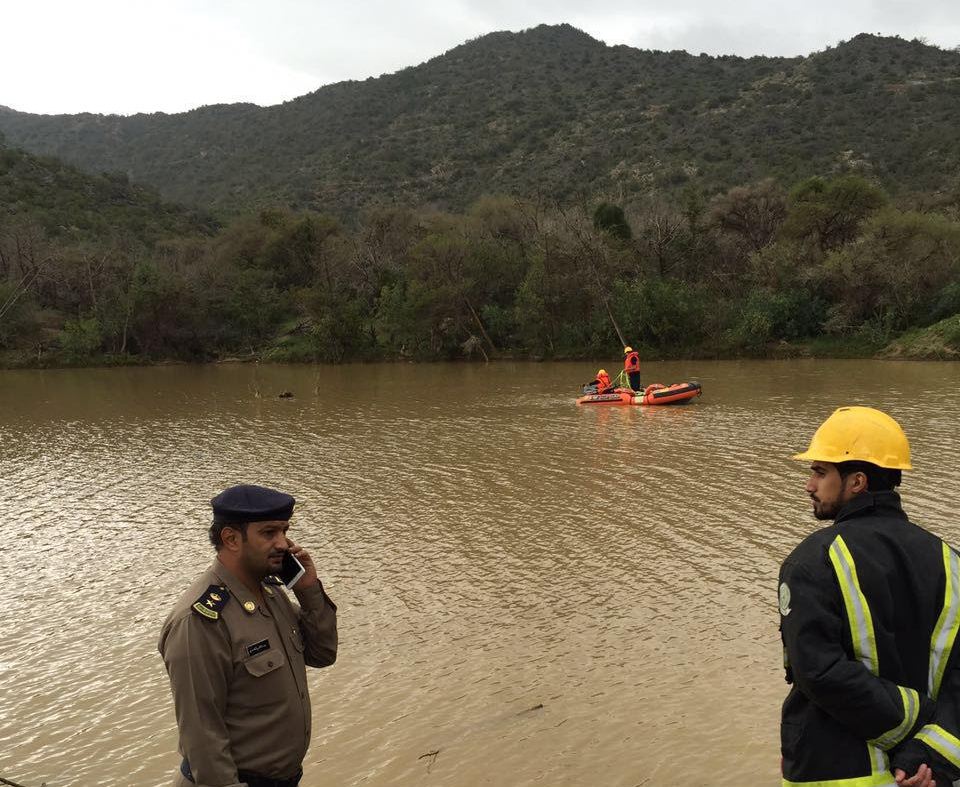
column 610, row 219
column 80, row 339
column 765, row 316
column 249, row 309
column 532, row 315
column 19, row 318
column 896, row 273
column 301, row 252
column 665, row 314
column 752, row 213
column 829, row 212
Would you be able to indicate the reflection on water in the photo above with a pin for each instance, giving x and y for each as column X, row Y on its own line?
column 539, row 593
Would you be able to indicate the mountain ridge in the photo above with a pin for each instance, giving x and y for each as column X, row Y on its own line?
column 549, row 111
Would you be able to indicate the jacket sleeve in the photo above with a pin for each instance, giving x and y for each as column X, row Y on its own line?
column 937, row 743
column 198, row 659
column 812, row 626
column 318, row 622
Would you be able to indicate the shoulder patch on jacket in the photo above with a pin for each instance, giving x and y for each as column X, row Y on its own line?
column 212, row 602
column 785, row 600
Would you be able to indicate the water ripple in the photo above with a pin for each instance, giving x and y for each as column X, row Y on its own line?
column 542, row 594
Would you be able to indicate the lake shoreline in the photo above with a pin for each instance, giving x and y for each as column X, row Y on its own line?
column 834, row 351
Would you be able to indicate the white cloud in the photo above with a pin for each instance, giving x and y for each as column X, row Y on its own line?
column 137, row 56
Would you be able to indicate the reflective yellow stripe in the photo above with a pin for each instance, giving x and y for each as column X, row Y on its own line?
column 945, row 632
column 864, row 649
column 938, row 739
column 858, row 611
column 875, row 780
column 911, row 709
column 879, row 762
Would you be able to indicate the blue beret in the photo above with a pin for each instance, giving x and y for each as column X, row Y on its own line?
column 249, row 503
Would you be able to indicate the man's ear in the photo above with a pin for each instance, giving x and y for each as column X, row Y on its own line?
column 231, row 538
column 859, row 483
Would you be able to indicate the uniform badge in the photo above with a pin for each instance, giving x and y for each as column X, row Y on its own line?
column 258, row 647
column 784, row 599
column 212, row 602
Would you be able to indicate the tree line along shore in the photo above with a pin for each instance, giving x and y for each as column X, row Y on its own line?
column 104, row 272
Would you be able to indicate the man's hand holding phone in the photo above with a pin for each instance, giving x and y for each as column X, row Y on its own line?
column 291, row 568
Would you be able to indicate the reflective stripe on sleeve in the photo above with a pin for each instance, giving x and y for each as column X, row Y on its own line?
column 911, row 709
column 945, row 632
column 879, row 762
column 941, row 741
column 876, row 780
column 858, row 612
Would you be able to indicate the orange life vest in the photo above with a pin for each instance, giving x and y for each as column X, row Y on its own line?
column 603, row 382
column 632, row 362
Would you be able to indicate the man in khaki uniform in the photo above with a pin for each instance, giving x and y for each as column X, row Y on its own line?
column 236, row 650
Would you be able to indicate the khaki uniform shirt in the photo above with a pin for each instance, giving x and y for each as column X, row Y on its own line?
column 239, row 677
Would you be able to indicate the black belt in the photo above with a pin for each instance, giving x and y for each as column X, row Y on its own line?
column 252, row 779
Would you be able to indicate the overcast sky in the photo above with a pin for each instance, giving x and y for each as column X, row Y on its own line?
column 127, row 56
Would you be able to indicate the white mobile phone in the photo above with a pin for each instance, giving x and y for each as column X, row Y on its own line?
column 291, row 570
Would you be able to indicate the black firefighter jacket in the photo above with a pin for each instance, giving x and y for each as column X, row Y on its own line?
column 869, row 613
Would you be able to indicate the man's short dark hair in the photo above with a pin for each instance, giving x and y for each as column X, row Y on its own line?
column 216, row 532
column 879, row 479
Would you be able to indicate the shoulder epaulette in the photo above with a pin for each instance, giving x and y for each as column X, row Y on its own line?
column 212, row 602
column 272, row 579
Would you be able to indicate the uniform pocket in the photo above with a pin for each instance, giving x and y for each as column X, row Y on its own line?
column 264, row 663
column 296, row 638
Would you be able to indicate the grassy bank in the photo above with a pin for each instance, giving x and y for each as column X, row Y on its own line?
column 939, row 342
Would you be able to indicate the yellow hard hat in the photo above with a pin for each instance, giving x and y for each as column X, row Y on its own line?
column 860, row 434
column 602, row 371
column 627, row 350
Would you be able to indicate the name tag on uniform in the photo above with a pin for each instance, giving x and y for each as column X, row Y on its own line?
column 258, row 647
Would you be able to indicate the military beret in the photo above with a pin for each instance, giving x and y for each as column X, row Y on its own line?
column 249, row 503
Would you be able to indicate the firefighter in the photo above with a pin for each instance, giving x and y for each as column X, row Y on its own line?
column 603, row 382
column 631, row 365
column 869, row 614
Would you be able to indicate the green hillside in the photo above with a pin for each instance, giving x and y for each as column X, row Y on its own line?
column 549, row 112
column 63, row 202
column 78, row 257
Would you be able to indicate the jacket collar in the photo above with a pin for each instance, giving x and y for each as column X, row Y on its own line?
column 877, row 503
column 237, row 589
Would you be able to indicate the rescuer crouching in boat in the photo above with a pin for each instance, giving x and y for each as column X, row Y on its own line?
column 600, row 385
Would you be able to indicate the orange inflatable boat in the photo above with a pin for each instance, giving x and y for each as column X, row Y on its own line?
column 678, row 393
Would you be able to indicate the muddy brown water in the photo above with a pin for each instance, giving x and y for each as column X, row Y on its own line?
column 530, row 593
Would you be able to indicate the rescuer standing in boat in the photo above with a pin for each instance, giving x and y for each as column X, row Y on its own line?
column 869, row 613
column 631, row 365
column 236, row 650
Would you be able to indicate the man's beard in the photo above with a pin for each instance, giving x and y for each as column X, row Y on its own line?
column 259, row 569
column 825, row 512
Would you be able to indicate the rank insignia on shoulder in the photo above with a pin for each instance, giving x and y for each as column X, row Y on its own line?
column 212, row 602
column 272, row 579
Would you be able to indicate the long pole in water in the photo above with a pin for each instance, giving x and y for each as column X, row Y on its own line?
column 616, row 327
